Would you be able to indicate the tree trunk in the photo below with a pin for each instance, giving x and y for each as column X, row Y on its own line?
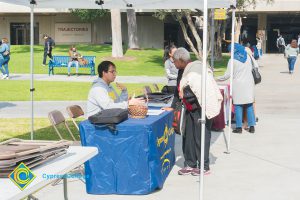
column 94, row 41
column 117, row 49
column 132, row 30
column 221, row 27
column 238, row 26
column 195, row 34
column 187, row 38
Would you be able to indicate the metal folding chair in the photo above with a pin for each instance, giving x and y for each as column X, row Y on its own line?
column 56, row 118
column 75, row 111
column 156, row 88
column 147, row 89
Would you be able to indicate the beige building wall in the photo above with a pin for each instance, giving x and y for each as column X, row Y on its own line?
column 150, row 29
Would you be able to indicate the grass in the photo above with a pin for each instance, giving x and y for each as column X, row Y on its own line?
column 54, row 91
column 20, row 128
column 140, row 62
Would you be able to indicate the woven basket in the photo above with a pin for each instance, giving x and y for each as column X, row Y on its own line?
column 137, row 111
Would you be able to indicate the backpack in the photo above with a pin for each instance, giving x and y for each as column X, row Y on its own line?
column 179, row 119
column 52, row 42
column 280, row 41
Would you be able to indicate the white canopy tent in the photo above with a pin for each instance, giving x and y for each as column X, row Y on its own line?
column 124, row 4
column 139, row 4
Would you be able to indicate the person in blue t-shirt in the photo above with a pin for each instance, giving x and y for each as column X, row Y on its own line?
column 4, row 58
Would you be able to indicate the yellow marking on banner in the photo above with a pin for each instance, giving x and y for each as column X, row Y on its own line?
column 220, row 14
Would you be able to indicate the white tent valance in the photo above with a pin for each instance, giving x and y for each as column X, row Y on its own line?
column 122, row 4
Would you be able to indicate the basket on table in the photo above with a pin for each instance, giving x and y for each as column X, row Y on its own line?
column 138, row 111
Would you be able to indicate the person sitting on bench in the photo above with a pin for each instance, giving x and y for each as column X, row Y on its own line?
column 74, row 55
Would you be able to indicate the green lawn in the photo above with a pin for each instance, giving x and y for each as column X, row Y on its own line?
column 20, row 128
column 141, row 62
column 54, row 91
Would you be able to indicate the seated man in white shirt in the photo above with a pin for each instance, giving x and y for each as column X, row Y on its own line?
column 103, row 96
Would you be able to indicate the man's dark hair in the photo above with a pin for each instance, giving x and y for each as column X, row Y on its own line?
column 103, row 67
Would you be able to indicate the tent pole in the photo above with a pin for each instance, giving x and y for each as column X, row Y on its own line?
column 212, row 64
column 31, row 66
column 203, row 98
column 231, row 78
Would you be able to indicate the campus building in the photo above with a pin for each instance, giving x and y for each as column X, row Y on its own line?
column 282, row 16
column 65, row 28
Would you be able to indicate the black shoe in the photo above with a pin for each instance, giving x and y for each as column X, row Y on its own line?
column 251, row 129
column 256, row 119
column 237, row 130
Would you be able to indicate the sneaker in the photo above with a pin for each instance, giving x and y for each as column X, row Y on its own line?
column 251, row 129
column 7, row 77
column 196, row 172
column 44, row 65
column 4, row 76
column 185, row 171
column 237, row 130
column 69, row 75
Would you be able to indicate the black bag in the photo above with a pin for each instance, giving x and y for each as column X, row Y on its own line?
column 179, row 118
column 109, row 118
column 190, row 97
column 256, row 75
column 52, row 42
column 255, row 72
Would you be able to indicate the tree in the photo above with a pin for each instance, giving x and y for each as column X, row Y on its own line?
column 184, row 18
column 89, row 15
column 185, row 21
column 117, row 49
column 132, row 30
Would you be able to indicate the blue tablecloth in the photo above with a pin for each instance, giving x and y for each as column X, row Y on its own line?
column 137, row 160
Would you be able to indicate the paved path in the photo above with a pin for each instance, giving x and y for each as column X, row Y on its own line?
column 261, row 166
column 87, row 78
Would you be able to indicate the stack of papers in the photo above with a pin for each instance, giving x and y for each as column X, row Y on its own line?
column 155, row 112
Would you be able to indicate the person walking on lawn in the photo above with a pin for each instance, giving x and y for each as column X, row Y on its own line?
column 49, row 43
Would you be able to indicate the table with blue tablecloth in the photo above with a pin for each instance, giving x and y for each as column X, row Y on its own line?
column 134, row 160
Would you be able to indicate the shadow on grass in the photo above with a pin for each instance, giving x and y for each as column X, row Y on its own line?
column 156, row 59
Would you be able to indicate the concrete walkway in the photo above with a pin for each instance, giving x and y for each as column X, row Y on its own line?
column 261, row 166
column 87, row 78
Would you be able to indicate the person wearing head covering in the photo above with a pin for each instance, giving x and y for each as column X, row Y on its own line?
column 4, row 58
column 243, row 86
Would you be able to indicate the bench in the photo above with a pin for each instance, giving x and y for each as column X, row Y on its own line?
column 62, row 61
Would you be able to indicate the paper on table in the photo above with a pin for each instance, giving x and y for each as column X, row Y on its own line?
column 155, row 112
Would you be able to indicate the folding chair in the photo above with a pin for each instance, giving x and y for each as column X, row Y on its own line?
column 147, row 89
column 56, row 118
column 75, row 111
column 156, row 88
